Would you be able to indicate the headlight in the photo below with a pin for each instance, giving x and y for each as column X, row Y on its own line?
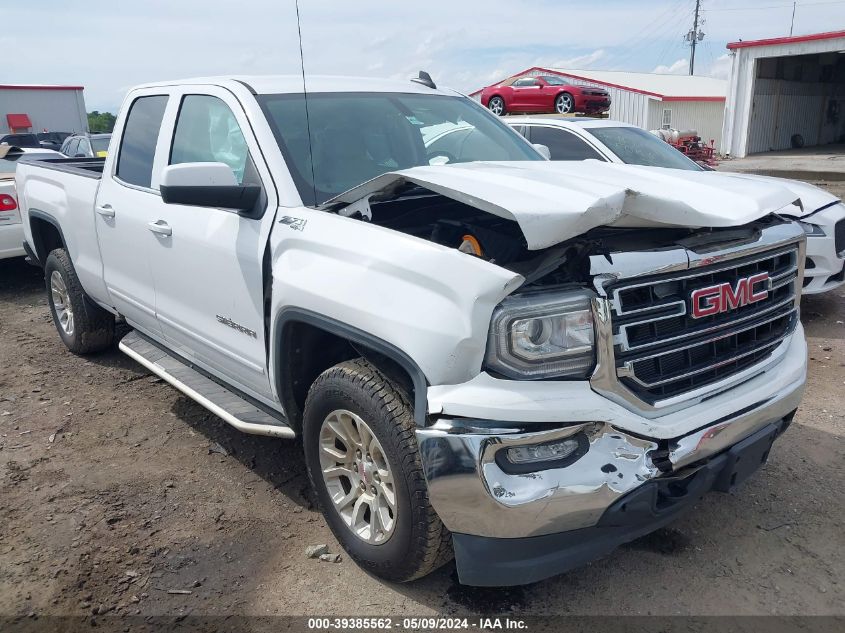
column 812, row 230
column 542, row 336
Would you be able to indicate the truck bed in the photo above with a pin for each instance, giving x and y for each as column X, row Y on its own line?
column 62, row 192
column 88, row 167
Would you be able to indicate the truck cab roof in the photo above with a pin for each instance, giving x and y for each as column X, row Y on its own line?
column 292, row 84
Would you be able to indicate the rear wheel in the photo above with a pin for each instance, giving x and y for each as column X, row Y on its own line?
column 564, row 104
column 362, row 459
column 83, row 326
column 496, row 105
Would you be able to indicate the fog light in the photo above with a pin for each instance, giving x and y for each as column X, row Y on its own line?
column 560, row 449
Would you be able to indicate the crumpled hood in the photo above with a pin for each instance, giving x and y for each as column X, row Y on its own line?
column 555, row 201
column 812, row 198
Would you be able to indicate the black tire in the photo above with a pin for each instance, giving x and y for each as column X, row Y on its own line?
column 419, row 542
column 499, row 101
column 564, row 110
column 93, row 327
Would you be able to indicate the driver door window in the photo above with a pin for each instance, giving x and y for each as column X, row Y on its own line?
column 207, row 131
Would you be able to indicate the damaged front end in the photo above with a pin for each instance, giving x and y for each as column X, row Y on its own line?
column 651, row 353
column 535, row 218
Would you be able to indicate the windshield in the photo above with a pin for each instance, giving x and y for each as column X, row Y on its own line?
column 100, row 146
column 638, row 147
column 358, row 136
column 553, row 81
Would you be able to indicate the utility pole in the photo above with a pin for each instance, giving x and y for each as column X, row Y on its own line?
column 694, row 37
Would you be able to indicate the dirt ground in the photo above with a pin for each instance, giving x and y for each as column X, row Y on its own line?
column 121, row 496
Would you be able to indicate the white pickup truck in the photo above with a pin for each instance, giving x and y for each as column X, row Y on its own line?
column 487, row 355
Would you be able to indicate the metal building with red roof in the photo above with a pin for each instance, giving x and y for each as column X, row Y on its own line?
column 785, row 92
column 42, row 108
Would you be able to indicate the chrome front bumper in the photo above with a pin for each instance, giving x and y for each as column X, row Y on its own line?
column 473, row 494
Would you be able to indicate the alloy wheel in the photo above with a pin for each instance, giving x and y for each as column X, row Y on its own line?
column 563, row 104
column 61, row 303
column 357, row 476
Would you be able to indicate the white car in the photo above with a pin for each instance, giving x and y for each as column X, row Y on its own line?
column 821, row 214
column 11, row 229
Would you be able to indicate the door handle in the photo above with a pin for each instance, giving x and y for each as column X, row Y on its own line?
column 161, row 227
column 105, row 210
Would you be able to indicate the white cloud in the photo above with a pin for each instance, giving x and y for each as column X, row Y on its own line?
column 721, row 67
column 679, row 67
column 580, row 61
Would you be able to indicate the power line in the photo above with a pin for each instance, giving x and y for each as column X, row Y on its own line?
column 774, row 6
column 680, row 17
column 648, row 32
column 709, row 50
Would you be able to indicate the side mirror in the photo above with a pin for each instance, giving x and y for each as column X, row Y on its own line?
column 543, row 149
column 206, row 185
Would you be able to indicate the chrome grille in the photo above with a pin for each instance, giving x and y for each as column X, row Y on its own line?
column 661, row 351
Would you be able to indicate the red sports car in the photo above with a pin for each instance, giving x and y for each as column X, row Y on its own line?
column 544, row 94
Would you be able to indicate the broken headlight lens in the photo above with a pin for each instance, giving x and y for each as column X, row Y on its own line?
column 542, row 336
column 812, row 230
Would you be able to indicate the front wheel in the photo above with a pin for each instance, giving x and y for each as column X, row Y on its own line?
column 83, row 326
column 564, row 104
column 362, row 459
column 496, row 105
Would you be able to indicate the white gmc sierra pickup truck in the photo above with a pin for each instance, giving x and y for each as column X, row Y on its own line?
column 487, row 355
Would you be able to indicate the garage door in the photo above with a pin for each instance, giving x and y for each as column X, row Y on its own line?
column 799, row 96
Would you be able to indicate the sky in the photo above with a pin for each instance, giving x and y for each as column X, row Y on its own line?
column 107, row 46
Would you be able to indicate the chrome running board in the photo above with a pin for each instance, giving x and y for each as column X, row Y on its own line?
column 221, row 401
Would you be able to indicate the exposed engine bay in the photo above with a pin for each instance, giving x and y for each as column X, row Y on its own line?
column 420, row 212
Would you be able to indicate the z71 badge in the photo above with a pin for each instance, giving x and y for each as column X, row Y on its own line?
column 297, row 224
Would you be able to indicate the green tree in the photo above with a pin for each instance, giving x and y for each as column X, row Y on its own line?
column 100, row 121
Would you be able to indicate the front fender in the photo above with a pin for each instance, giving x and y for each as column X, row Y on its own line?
column 430, row 302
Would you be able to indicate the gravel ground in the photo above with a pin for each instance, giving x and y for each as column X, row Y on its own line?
column 121, row 496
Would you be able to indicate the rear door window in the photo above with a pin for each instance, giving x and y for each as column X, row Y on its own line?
column 563, row 145
column 138, row 144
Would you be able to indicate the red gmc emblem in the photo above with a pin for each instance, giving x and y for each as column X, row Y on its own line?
column 724, row 297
